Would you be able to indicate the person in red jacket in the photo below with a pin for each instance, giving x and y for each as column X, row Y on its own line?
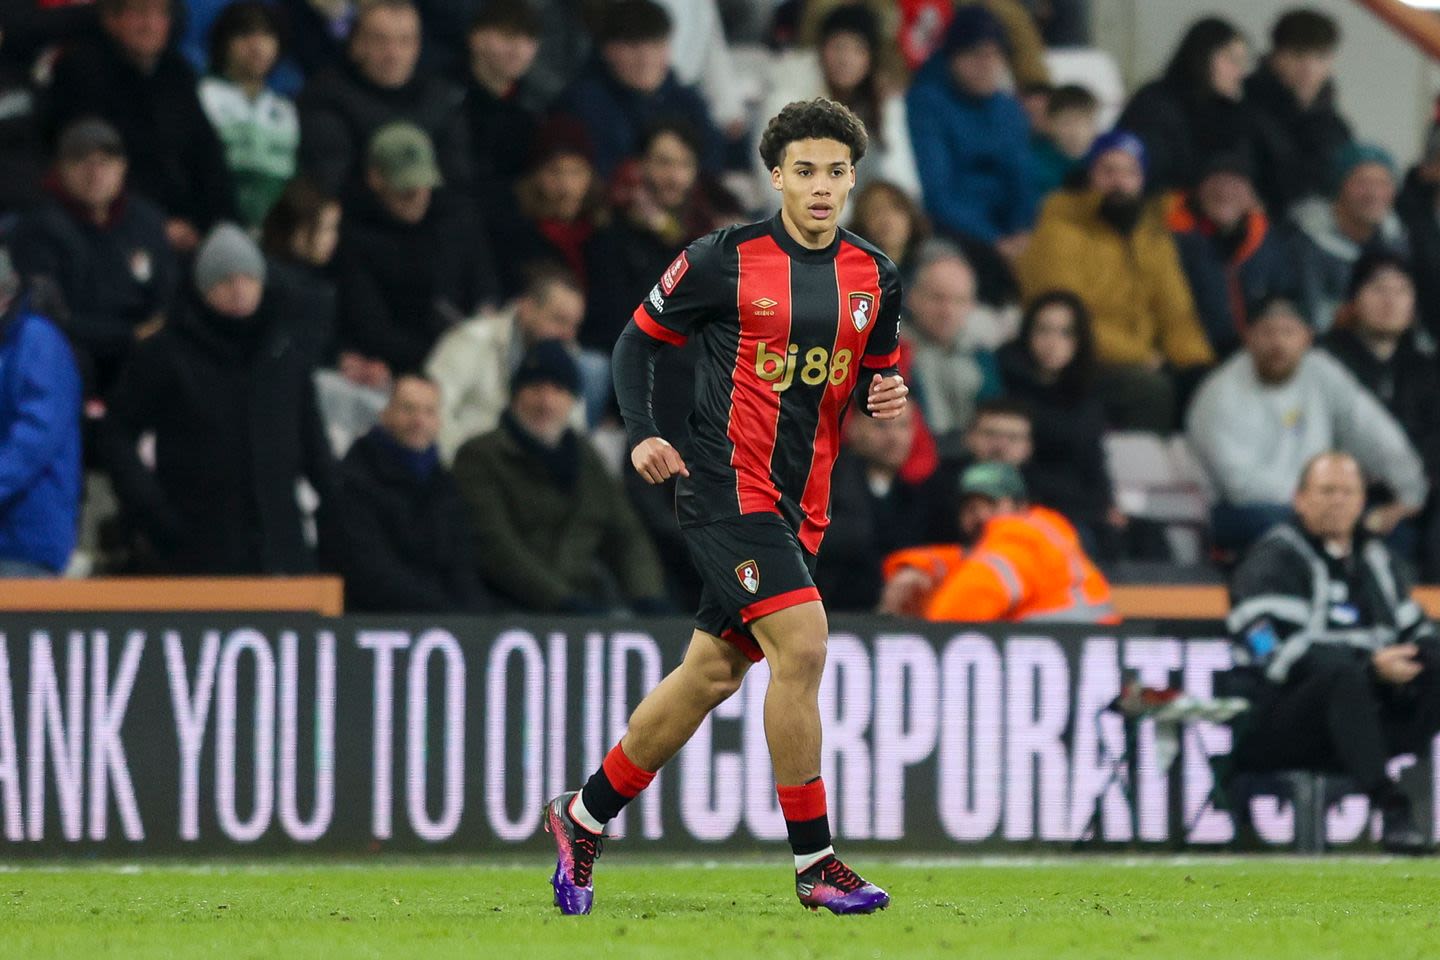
column 1026, row 562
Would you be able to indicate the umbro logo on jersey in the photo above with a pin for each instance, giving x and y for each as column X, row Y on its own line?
column 749, row 575
column 764, row 307
column 673, row 273
column 862, row 307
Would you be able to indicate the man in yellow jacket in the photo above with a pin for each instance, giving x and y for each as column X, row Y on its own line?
column 1026, row 563
column 1110, row 246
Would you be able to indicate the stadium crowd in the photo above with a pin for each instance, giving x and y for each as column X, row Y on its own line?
column 323, row 284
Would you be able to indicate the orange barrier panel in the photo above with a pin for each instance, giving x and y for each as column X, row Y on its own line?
column 322, row 595
column 1206, row 603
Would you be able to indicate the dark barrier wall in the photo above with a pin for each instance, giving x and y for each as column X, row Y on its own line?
column 174, row 734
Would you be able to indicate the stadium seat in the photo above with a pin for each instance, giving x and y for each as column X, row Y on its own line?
column 1159, row 479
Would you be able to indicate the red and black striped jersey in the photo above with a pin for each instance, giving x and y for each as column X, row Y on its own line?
column 786, row 334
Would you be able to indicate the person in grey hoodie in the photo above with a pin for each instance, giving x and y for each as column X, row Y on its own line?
column 1359, row 217
column 1260, row 416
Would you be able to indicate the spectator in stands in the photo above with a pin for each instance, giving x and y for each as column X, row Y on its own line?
column 1024, row 562
column 133, row 78
column 949, row 376
column 1050, row 368
column 475, row 362
column 22, row 158
column 378, row 84
column 1378, row 343
column 503, row 42
column 1419, row 209
column 1232, row 253
column 630, row 84
column 1110, row 246
column 882, row 512
column 104, row 248
column 259, row 128
column 892, row 220
column 39, row 437
column 971, row 137
column 1293, row 93
column 226, row 390
column 1260, row 416
column 555, row 209
column 317, row 31
column 922, row 29
column 407, row 543
column 1058, row 149
column 845, row 67
column 1359, row 216
column 660, row 206
column 1003, row 432
column 414, row 256
column 299, row 236
column 1345, row 664
column 1196, row 108
column 551, row 524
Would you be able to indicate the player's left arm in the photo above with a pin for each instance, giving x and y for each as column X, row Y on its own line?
column 885, row 390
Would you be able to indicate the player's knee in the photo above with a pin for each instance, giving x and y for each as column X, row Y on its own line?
column 800, row 660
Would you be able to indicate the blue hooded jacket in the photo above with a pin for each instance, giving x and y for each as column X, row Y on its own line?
column 40, row 406
column 973, row 155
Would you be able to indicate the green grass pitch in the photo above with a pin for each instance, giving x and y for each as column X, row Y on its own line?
column 1071, row 909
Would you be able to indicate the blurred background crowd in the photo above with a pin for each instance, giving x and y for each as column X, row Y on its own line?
column 331, row 285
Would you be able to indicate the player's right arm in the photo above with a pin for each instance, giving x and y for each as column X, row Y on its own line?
column 687, row 295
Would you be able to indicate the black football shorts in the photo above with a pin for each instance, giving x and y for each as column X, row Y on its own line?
column 751, row 566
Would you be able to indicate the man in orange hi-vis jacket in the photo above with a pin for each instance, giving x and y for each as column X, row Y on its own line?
column 1026, row 563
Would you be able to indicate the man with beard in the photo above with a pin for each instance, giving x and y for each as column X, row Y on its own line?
column 1109, row 245
column 1260, row 417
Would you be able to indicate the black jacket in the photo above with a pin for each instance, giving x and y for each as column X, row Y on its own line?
column 236, row 425
column 1303, row 140
column 175, row 157
column 1408, row 384
column 113, row 278
column 1293, row 607
column 499, row 131
column 340, row 111
column 624, row 262
column 402, row 285
column 1419, row 207
column 407, row 543
column 1181, row 133
column 21, row 155
column 1067, row 469
column 867, row 528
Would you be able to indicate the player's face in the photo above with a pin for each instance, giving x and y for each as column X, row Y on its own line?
column 814, row 178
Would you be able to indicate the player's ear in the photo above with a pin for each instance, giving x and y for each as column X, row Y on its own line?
column 775, row 179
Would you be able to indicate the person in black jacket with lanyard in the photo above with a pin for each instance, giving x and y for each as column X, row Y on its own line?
column 1350, row 663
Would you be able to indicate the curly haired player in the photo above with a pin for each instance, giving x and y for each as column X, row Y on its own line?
column 795, row 317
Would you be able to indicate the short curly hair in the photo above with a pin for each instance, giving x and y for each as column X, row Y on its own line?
column 818, row 119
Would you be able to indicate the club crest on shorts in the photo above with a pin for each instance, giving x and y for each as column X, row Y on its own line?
column 862, row 305
column 749, row 575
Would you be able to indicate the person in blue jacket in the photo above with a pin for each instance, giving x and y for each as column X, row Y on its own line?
column 39, row 437
column 971, row 138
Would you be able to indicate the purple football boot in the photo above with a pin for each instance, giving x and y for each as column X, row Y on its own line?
column 576, row 850
column 837, row 888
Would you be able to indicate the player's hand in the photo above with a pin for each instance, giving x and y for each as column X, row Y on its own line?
column 1397, row 664
column 887, row 397
column 657, row 461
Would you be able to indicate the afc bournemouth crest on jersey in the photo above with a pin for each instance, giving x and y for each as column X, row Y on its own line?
column 862, row 306
column 749, row 574
column 673, row 273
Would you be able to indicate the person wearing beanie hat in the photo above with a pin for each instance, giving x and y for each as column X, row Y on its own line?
column 1358, row 216
column 546, row 514
column 228, row 253
column 1109, row 244
column 845, row 66
column 1231, row 252
column 971, row 137
column 1376, row 339
column 103, row 247
column 630, row 83
column 1260, row 416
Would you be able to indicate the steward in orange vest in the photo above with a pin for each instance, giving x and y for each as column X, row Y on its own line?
column 1027, row 563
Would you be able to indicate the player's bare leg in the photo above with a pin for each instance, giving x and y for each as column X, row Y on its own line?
column 794, row 641
column 663, row 723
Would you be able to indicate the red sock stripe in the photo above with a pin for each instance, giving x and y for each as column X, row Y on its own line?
column 627, row 779
column 805, row 802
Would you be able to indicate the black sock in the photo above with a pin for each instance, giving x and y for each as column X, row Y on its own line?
column 601, row 798
column 808, row 836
